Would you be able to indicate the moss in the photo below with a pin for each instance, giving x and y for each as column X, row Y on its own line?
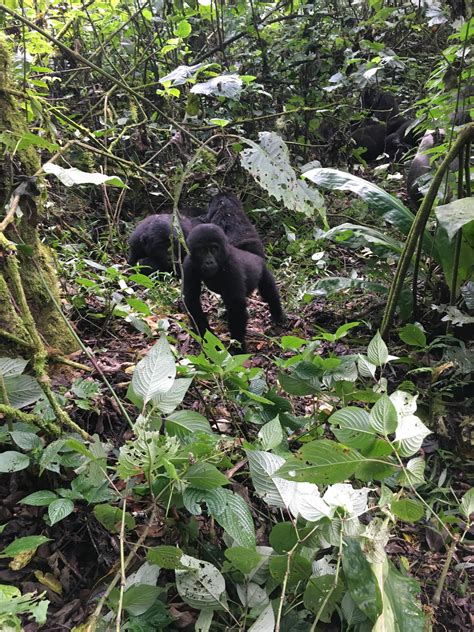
column 36, row 266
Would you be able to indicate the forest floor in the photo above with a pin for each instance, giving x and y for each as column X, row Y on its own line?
column 83, row 555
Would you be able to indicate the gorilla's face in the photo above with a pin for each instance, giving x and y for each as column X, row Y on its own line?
column 209, row 249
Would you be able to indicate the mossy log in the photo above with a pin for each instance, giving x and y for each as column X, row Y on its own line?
column 37, row 273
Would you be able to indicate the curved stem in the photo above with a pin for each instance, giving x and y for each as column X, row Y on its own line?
column 418, row 226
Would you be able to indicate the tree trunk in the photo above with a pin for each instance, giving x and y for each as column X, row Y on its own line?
column 20, row 240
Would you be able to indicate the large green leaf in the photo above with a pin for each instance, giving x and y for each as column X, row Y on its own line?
column 205, row 476
column 11, row 461
column 455, row 215
column 155, row 374
column 322, row 462
column 386, row 206
column 12, row 366
column 22, row 390
column 185, row 423
column 401, row 601
column 445, row 247
column 269, row 164
column 201, row 585
column 360, row 580
column 167, row 402
column 323, row 592
column 351, row 425
column 237, row 521
column 139, row 598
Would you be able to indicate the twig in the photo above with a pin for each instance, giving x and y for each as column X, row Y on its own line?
column 95, row 616
column 444, row 573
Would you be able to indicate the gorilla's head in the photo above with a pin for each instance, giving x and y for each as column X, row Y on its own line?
column 209, row 248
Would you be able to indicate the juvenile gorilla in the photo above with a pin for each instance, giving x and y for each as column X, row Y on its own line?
column 232, row 273
column 226, row 210
column 154, row 243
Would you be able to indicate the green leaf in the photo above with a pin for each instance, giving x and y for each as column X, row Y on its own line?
column 383, row 416
column 39, row 499
column 283, row 537
column 243, row 559
column 351, row 426
column 360, row 580
column 205, row 476
column 155, row 374
column 167, row 402
column 402, row 593
column 201, row 585
column 165, row 556
column 21, row 545
column 12, row 366
column 413, row 335
column 22, row 390
column 183, row 29
column 377, row 351
column 407, row 509
column 383, row 204
column 467, row 503
column 269, row 163
column 11, row 461
column 237, row 521
column 139, row 598
column 60, row 509
column 294, row 385
column 455, row 215
column 299, row 569
column 25, row 440
column 110, row 517
column 323, row 591
column 324, row 462
column 215, row 499
column 183, row 423
column 271, row 434
column 219, row 122
column 413, row 474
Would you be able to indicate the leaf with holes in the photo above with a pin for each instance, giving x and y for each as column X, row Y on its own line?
column 201, row 585
column 269, row 164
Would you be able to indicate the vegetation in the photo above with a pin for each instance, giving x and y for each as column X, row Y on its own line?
column 149, row 479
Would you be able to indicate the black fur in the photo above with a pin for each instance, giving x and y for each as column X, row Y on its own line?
column 226, row 210
column 371, row 136
column 154, row 243
column 232, row 273
column 381, row 105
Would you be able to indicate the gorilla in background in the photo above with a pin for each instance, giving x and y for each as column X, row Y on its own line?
column 229, row 271
column 226, row 210
column 380, row 104
column 154, row 243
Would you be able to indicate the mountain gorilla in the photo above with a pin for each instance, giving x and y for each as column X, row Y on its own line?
column 226, row 210
column 231, row 272
column 154, row 243
column 381, row 105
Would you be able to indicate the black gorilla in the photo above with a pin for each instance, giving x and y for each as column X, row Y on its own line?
column 381, row 105
column 226, row 210
column 155, row 243
column 372, row 136
column 231, row 272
